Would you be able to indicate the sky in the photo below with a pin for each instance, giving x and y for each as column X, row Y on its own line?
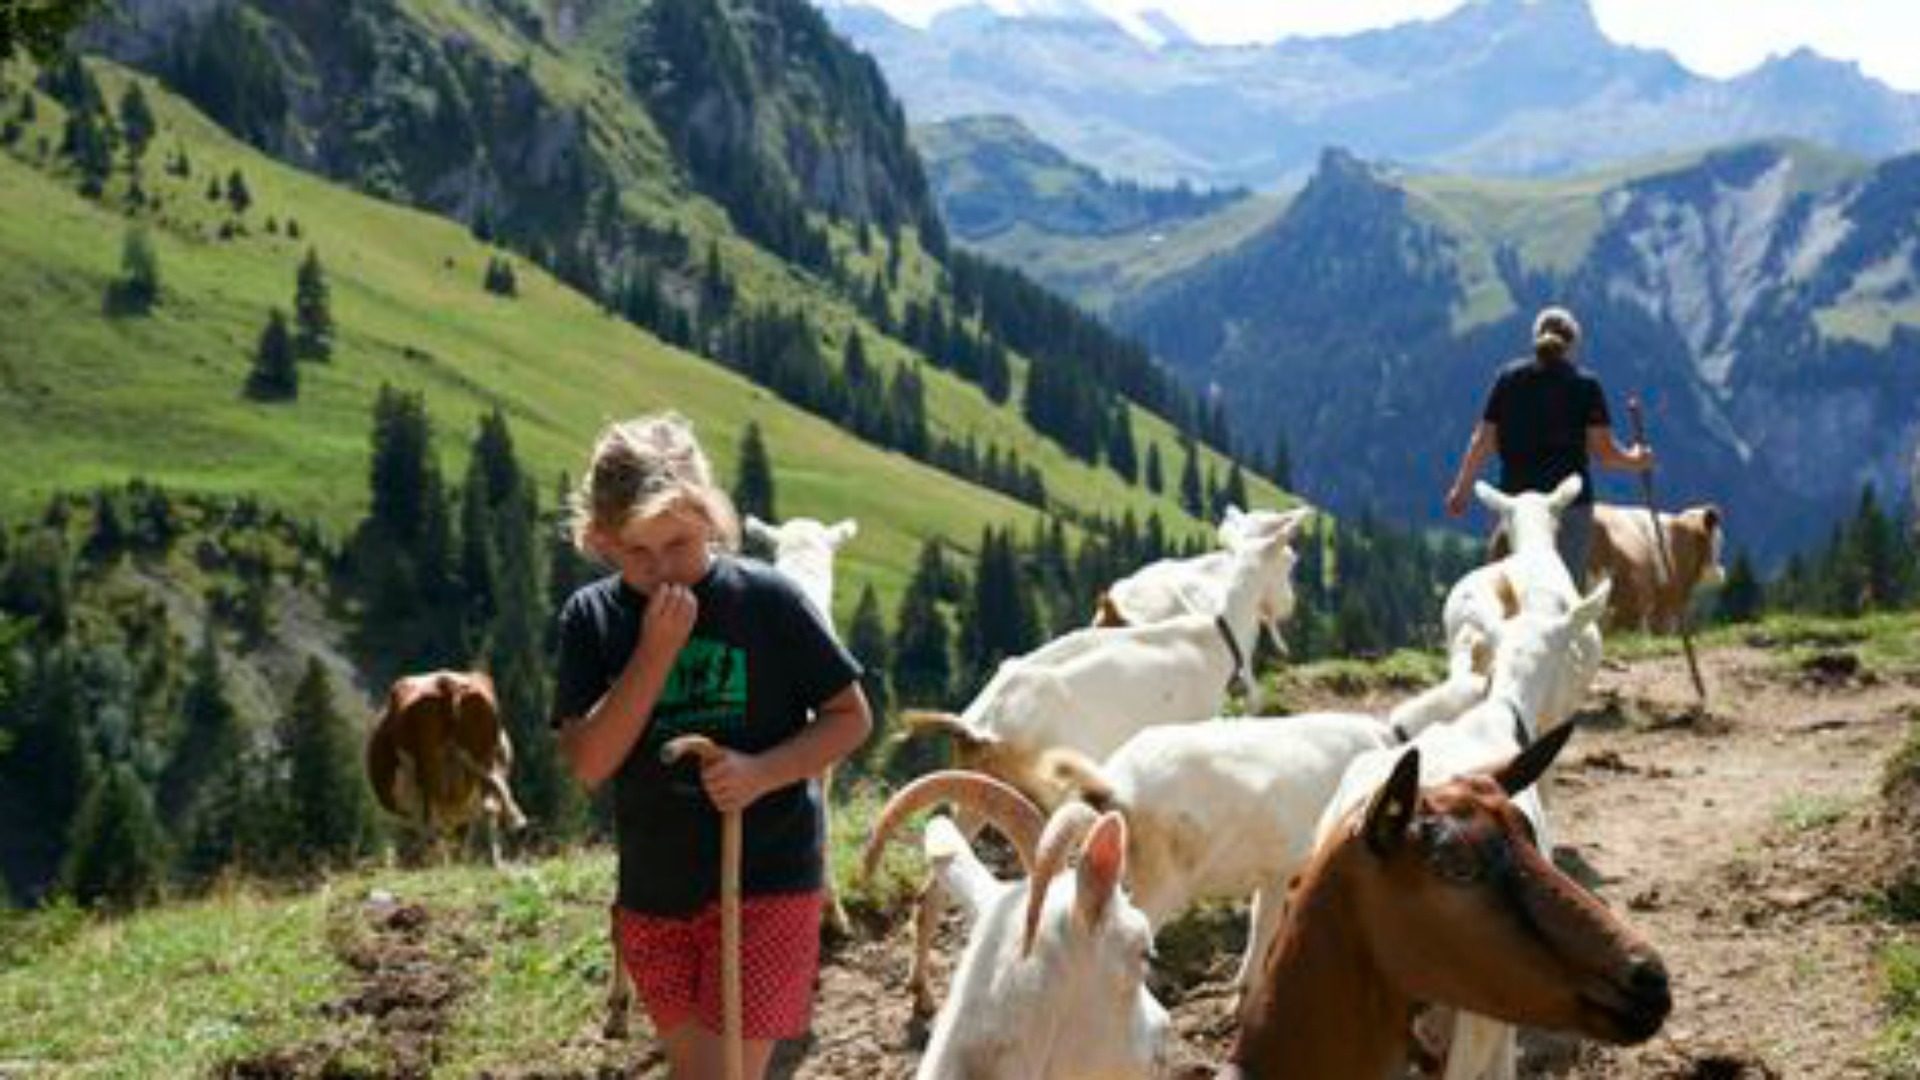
column 1718, row 38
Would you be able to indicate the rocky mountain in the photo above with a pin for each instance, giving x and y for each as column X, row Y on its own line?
column 1764, row 300
column 1516, row 87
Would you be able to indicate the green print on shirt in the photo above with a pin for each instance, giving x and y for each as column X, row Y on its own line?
column 705, row 694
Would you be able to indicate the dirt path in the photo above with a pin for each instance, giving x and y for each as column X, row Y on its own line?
column 1749, row 850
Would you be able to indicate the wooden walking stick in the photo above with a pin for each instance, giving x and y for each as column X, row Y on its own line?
column 706, row 750
column 1660, row 542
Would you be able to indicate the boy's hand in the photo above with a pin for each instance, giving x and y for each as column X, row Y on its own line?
column 734, row 781
column 668, row 622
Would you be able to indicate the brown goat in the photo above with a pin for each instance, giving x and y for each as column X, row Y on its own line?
column 1439, row 897
column 439, row 756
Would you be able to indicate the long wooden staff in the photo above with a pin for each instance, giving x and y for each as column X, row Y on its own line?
column 1666, row 560
column 706, row 750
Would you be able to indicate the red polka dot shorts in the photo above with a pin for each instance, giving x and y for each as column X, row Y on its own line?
column 675, row 964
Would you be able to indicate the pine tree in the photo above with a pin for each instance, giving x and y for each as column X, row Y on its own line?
column 136, row 120
column 210, row 740
column 1120, row 449
column 1281, row 472
column 1741, row 597
column 1156, row 482
column 1192, row 496
column 404, row 551
column 923, row 662
column 499, row 279
column 48, row 767
column 326, row 788
column 853, row 361
column 116, row 855
column 753, row 487
column 312, row 311
column 867, row 641
column 88, row 145
column 238, row 196
column 999, row 621
column 274, row 376
column 137, row 288
column 516, row 652
column 1874, row 546
column 1235, row 491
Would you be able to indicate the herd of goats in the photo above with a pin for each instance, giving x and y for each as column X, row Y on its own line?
column 1405, row 909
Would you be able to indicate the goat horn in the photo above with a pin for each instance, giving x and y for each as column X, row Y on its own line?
column 998, row 802
column 923, row 721
column 1065, row 830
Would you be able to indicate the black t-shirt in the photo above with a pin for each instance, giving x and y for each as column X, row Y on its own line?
column 758, row 659
column 1543, row 410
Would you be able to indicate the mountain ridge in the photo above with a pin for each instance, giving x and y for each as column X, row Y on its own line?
column 1508, row 88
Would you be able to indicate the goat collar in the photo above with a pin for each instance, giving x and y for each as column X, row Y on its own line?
column 1238, row 682
column 1522, row 734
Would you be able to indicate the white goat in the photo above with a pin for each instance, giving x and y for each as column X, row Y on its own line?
column 1198, row 585
column 1062, row 997
column 1533, row 577
column 803, row 549
column 1533, row 666
column 1223, row 808
column 1092, row 689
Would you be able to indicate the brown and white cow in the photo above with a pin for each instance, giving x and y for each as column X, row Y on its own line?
column 1625, row 550
column 439, row 756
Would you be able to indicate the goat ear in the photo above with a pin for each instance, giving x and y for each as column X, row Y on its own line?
column 1588, row 610
column 843, row 531
column 1491, row 497
column 1103, row 862
column 1526, row 767
column 1711, row 513
column 1233, row 525
column 1296, row 519
column 1564, row 495
column 1390, row 812
column 759, row 531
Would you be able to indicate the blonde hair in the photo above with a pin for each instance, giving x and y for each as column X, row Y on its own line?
column 646, row 466
column 1555, row 331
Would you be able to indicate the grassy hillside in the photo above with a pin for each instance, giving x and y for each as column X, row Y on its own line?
column 90, row 399
column 365, row 968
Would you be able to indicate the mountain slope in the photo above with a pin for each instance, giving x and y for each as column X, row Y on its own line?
column 95, row 400
column 1762, row 299
column 1023, row 202
column 613, row 140
column 91, row 400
